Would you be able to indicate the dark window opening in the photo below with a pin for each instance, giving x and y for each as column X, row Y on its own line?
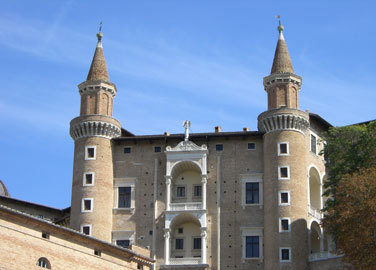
column 88, row 179
column 251, row 146
column 284, row 225
column 197, row 243
column 123, row 243
column 252, row 244
column 180, row 192
column 127, row 150
column 219, row 147
column 197, row 191
column 284, row 197
column 283, row 148
column 157, row 149
column 90, row 152
column 124, row 197
column 251, row 193
column 284, row 173
column 179, row 243
column 285, row 254
column 86, row 230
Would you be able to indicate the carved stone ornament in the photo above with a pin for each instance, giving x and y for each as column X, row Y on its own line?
column 95, row 128
column 187, row 146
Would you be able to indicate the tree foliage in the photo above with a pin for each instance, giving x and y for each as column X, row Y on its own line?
column 353, row 218
column 350, row 210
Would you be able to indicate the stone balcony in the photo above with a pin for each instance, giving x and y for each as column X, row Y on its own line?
column 323, row 256
column 187, row 206
column 316, row 213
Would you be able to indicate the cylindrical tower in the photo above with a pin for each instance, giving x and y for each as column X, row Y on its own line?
column 285, row 179
column 92, row 131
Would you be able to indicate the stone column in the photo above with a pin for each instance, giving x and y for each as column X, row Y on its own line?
column 168, row 192
column 167, row 246
column 203, row 181
column 203, row 245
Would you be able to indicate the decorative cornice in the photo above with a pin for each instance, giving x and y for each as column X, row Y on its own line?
column 283, row 120
column 94, row 129
column 186, row 146
column 282, row 78
column 95, row 86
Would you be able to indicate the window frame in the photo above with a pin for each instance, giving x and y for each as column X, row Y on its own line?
column 249, row 231
column 251, row 178
column 87, row 152
column 183, row 187
column 279, row 173
column 124, row 182
column 281, row 230
column 219, row 147
column 280, row 203
column 251, row 149
column 194, row 238
column 83, row 210
column 125, row 197
column 312, row 134
column 280, row 254
column 128, row 149
column 86, row 225
column 287, row 149
column 156, row 147
column 84, row 179
column 181, row 239
column 123, row 235
column 194, row 191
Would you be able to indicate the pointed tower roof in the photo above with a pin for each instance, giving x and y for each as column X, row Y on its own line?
column 98, row 68
column 282, row 61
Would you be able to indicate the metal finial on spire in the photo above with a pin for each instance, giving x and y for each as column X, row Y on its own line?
column 99, row 34
column 280, row 26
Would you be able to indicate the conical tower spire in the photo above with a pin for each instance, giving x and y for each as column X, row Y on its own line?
column 98, row 68
column 282, row 60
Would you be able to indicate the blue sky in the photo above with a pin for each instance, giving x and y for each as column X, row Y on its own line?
column 171, row 60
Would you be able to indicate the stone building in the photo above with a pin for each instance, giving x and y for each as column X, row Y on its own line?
column 218, row 200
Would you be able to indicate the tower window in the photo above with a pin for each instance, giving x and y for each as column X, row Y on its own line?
column 252, row 246
column 197, row 191
column 219, row 147
column 283, row 149
column 285, row 255
column 284, row 173
column 284, row 198
column 90, row 152
column 251, row 146
column 87, row 205
column 124, row 197
column 252, row 193
column 86, row 229
column 157, row 149
column 179, row 243
column 88, row 179
column 197, row 243
column 284, row 224
column 313, row 144
column 127, row 150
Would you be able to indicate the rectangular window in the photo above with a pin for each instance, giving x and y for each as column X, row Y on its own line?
column 180, row 192
column 252, row 193
column 252, row 246
column 88, row 179
column 124, row 197
column 197, row 191
column 251, row 146
column 313, row 144
column 219, row 147
column 127, row 150
column 86, row 229
column 284, row 224
column 283, row 149
column 285, row 255
column 157, row 149
column 180, row 230
column 97, row 252
column 45, row 235
column 123, row 243
column 90, row 152
column 284, row 198
column 197, row 243
column 87, row 205
column 284, row 173
column 179, row 243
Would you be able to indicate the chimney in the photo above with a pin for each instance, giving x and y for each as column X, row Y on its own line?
column 166, row 133
column 245, row 129
column 217, row 129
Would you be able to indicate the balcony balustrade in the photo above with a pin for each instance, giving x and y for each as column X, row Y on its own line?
column 189, row 206
column 314, row 212
column 323, row 256
column 180, row 261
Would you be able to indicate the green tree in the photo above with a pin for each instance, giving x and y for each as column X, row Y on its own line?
column 350, row 210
